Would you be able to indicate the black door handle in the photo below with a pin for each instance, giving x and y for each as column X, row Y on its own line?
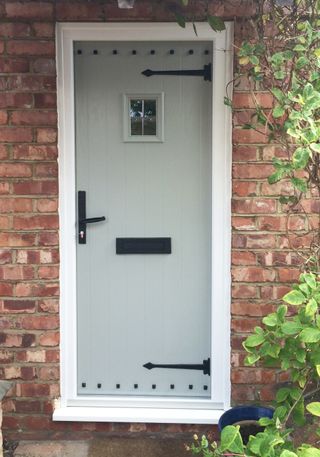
column 82, row 220
column 91, row 220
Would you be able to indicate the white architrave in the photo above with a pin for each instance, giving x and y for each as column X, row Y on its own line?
column 142, row 409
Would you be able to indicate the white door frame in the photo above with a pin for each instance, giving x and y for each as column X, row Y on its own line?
column 71, row 406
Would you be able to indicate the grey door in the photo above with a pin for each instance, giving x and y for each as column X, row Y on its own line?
column 143, row 161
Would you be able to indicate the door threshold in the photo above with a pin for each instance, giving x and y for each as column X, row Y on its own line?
column 148, row 415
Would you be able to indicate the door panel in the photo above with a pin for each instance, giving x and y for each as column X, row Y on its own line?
column 139, row 308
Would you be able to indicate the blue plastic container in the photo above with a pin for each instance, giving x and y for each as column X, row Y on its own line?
column 244, row 413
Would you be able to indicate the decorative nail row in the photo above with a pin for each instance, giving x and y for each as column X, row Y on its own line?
column 134, row 52
column 136, row 386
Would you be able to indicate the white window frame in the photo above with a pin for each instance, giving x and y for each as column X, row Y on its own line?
column 71, row 406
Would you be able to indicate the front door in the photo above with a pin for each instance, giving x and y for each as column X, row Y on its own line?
column 143, row 169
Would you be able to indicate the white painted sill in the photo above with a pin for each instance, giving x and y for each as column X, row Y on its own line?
column 147, row 415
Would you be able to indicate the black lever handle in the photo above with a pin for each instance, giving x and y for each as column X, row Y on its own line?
column 82, row 219
column 91, row 220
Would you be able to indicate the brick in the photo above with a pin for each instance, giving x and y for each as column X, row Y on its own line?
column 3, row 152
column 4, row 188
column 43, row 29
column 246, row 100
column 6, row 356
column 15, row 170
column 272, row 223
column 271, row 151
column 10, row 340
column 49, row 373
column 289, row 274
column 249, row 136
column 244, row 291
column 270, row 258
column 37, row 356
column 53, row 357
column 73, row 11
column 274, row 292
column 50, row 272
column 244, row 188
column 251, row 309
column 16, row 239
column 19, row 306
column 33, row 118
column 45, row 100
column 254, row 206
column 28, row 340
column 243, row 393
column 44, row 67
column 243, row 258
column 15, row 100
column 252, row 274
column 244, row 153
column 5, row 222
column 35, row 188
column 46, row 170
column 37, row 289
column 14, row 30
column 5, row 256
column 49, row 339
column 280, row 188
column 16, row 205
column 35, row 222
column 14, row 272
column 49, row 256
column 33, row 390
column 243, row 223
column 29, row 257
column 34, row 152
column 29, row 83
column 3, row 117
column 48, row 239
column 45, row 205
column 49, row 306
column 15, row 135
column 40, row 322
column 256, row 171
column 244, row 325
column 244, row 117
column 6, row 290
column 29, row 10
column 253, row 376
column 12, row 65
column 46, row 135
column 30, row 48
column 27, row 406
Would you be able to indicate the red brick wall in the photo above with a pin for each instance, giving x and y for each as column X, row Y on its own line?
column 263, row 265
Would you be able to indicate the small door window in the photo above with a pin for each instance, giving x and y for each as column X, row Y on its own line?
column 143, row 117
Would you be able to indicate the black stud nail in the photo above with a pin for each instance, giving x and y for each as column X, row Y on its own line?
column 114, row 52
column 99, row 385
column 171, row 51
column 190, row 51
column 95, row 51
column 79, row 51
column 134, row 52
column 83, row 384
column 171, row 386
column 205, row 387
column 206, row 52
column 152, row 52
column 154, row 386
column 135, row 386
column 190, row 386
column 117, row 386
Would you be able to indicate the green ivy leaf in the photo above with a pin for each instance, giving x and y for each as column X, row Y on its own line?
column 271, row 320
column 310, row 279
column 180, row 20
column 310, row 335
column 251, row 359
column 291, row 328
column 294, row 297
column 312, row 307
column 287, row 453
column 282, row 394
column 300, row 157
column 255, row 340
column 216, row 23
column 315, row 147
column 299, row 184
column 231, row 440
column 308, row 452
column 278, row 111
column 185, row 2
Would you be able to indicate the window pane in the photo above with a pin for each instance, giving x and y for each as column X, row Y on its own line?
column 136, row 117
column 150, row 117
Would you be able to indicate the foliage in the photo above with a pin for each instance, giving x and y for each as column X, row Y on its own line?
column 215, row 22
column 288, row 340
column 284, row 59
